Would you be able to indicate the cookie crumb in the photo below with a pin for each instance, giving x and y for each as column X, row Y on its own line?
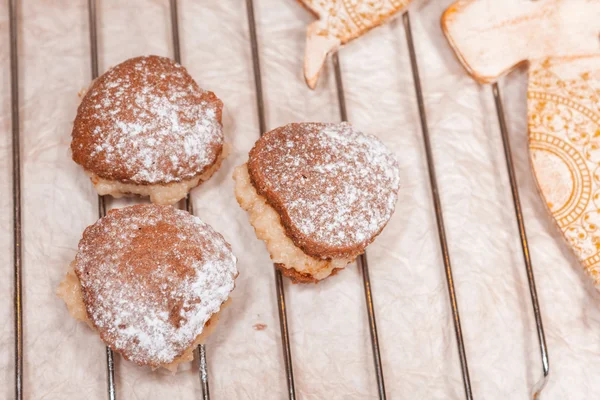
column 259, row 327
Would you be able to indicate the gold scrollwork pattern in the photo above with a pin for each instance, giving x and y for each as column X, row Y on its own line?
column 564, row 146
column 348, row 19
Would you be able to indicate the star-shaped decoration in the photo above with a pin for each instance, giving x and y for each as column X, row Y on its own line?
column 339, row 22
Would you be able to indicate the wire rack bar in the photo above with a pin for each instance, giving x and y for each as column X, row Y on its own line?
column 536, row 393
column 110, row 375
column 188, row 205
column 283, row 324
column 110, row 362
column 203, row 372
column 361, row 261
column 437, row 205
column 285, row 337
column 175, row 30
column 16, row 181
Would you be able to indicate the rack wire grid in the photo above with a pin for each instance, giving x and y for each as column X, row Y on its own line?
column 361, row 261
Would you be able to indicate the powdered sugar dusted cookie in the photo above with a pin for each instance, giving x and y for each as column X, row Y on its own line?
column 559, row 39
column 339, row 22
column 317, row 194
column 150, row 280
column 145, row 127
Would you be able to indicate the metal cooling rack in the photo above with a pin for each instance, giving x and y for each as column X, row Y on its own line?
column 361, row 261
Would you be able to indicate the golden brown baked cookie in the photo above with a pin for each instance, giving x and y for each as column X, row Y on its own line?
column 318, row 195
column 145, row 127
column 340, row 21
column 563, row 99
column 151, row 278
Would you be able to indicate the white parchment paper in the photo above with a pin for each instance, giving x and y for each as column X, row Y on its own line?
column 328, row 322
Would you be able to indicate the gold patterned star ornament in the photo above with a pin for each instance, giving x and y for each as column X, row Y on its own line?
column 340, row 21
column 558, row 39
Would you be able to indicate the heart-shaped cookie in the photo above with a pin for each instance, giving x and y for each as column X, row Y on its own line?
column 145, row 127
column 318, row 194
column 151, row 280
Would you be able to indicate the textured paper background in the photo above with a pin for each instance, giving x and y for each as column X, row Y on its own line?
column 330, row 340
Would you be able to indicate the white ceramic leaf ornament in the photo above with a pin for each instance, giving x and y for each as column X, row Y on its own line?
column 560, row 40
column 339, row 22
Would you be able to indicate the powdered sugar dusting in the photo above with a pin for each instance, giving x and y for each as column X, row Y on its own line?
column 146, row 121
column 337, row 187
column 151, row 278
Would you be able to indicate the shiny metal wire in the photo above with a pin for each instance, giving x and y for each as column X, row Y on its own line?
column 202, row 362
column 203, row 372
column 175, row 30
column 437, row 205
column 110, row 362
column 539, row 386
column 16, row 181
column 283, row 324
column 361, row 261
